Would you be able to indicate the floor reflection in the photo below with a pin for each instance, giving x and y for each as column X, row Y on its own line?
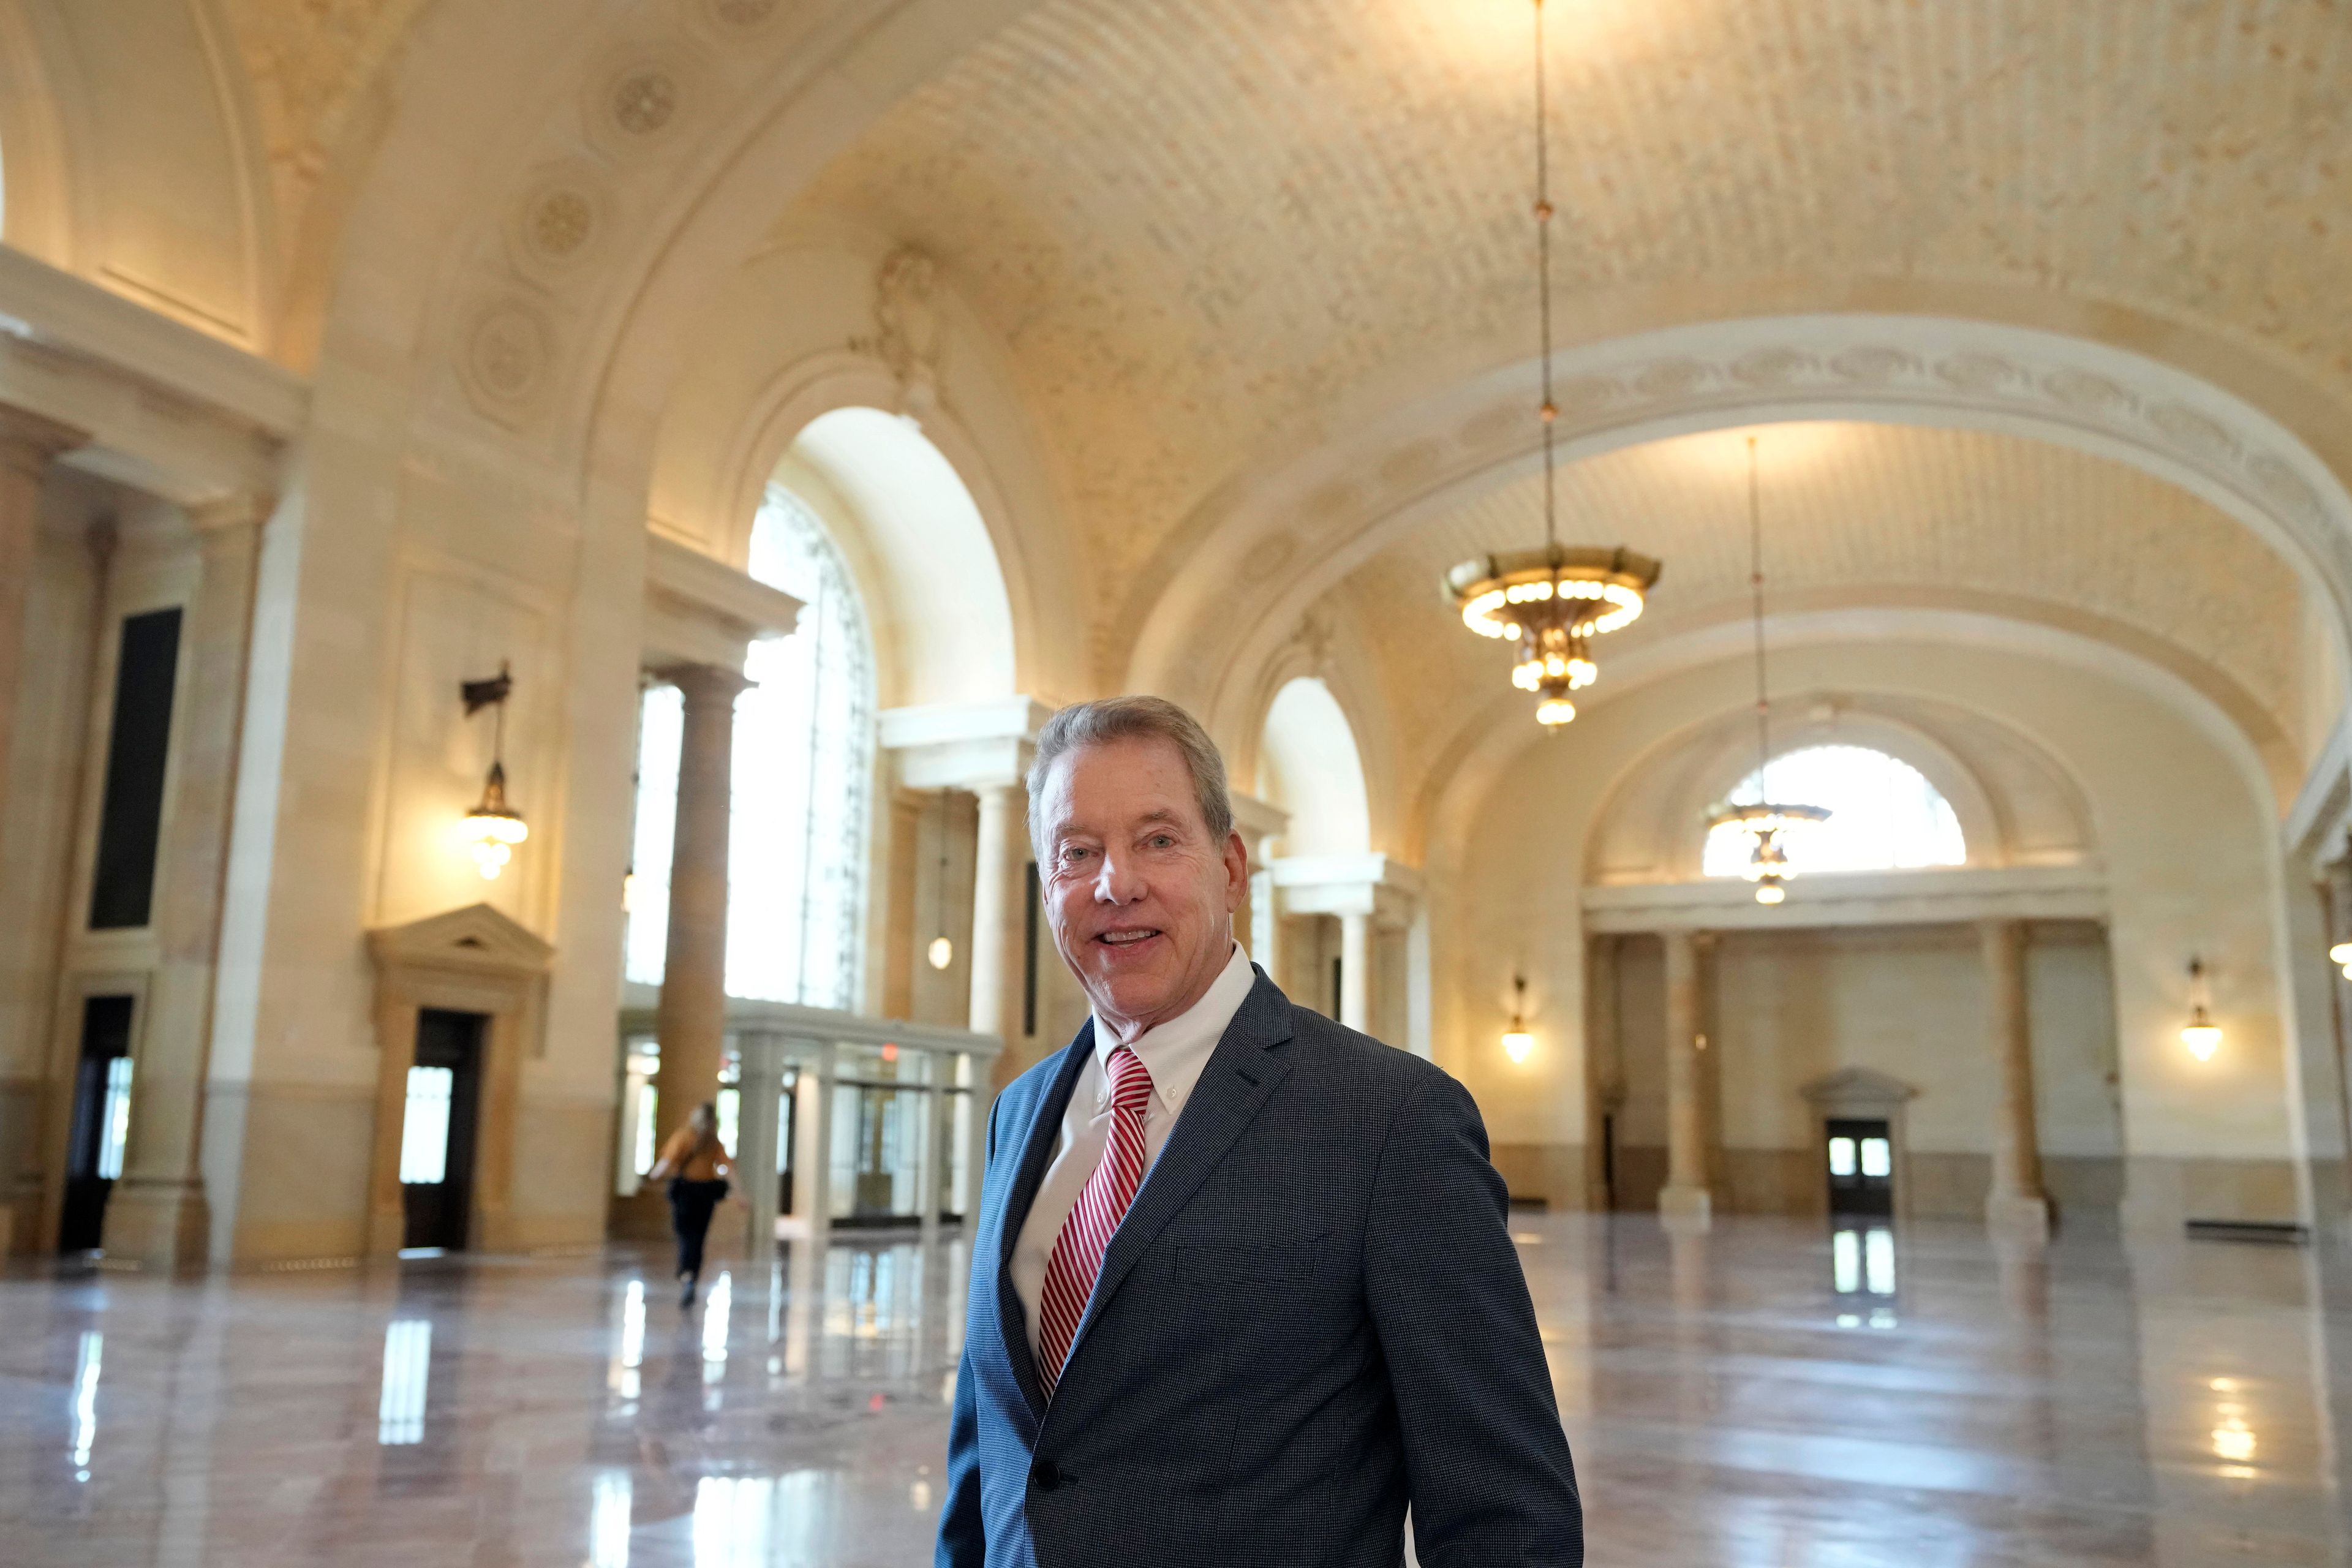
column 1760, row 1392
column 1862, row 1273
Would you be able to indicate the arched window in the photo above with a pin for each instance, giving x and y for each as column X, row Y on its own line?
column 803, row 786
column 1883, row 815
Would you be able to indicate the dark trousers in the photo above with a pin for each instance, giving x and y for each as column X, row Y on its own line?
column 691, row 1204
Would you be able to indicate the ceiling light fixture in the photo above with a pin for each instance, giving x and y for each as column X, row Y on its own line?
column 942, row 949
column 492, row 829
column 1552, row 602
column 1762, row 820
column 1518, row 1041
column 2202, row 1036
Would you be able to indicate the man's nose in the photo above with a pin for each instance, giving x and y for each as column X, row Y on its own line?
column 1116, row 883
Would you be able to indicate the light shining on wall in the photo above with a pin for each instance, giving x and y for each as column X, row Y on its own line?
column 1884, row 815
column 802, row 782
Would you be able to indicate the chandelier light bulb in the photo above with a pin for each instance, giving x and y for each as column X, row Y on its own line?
column 1771, row 891
column 942, row 952
column 2341, row 955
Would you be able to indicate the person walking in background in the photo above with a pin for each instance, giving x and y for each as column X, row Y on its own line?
column 697, row 1164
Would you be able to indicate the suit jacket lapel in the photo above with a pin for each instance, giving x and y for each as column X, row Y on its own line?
column 1043, row 1137
column 1238, row 1080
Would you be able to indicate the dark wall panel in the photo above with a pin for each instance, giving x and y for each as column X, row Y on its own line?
column 131, row 819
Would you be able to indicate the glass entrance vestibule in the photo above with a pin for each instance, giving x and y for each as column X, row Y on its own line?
column 864, row 1123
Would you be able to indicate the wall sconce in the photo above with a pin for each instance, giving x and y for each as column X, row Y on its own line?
column 492, row 829
column 942, row 952
column 2202, row 1036
column 1518, row 1043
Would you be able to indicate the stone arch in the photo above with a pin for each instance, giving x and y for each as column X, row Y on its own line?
column 792, row 341
column 1291, row 533
column 1309, row 765
column 1489, row 740
column 141, row 170
column 924, row 555
column 2016, row 804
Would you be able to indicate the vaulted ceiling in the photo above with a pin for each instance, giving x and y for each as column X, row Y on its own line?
column 1857, row 514
column 1210, row 227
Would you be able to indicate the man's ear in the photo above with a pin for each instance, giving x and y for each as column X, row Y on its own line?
column 1236, row 871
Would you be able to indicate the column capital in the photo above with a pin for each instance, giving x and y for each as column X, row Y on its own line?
column 2000, row 931
column 700, row 610
column 230, row 513
column 28, row 440
column 964, row 746
column 703, row 683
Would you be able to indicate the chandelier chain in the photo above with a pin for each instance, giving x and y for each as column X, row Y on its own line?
column 1755, row 589
column 1549, row 413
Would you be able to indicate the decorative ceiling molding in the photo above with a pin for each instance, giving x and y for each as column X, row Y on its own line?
column 1305, row 529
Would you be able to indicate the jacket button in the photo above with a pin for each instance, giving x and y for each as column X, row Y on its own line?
column 1045, row 1476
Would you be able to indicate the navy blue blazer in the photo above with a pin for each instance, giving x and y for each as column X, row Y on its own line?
column 1311, row 1317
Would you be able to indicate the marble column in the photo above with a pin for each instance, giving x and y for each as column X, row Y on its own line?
column 1356, row 972
column 1265, row 929
column 692, row 1020
column 158, row 1215
column 760, row 1142
column 2016, row 1205
column 27, row 443
column 1686, row 1195
column 999, row 909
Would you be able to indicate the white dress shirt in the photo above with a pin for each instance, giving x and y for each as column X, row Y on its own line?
column 1174, row 1053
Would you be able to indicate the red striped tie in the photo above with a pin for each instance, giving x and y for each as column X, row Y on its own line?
column 1086, row 1235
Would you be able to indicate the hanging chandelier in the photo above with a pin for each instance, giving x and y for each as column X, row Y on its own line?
column 1763, row 822
column 1553, row 601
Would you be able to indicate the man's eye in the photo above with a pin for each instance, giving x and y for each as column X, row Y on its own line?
column 1161, row 840
column 1072, row 856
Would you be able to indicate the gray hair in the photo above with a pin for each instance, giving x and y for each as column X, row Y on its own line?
column 1135, row 719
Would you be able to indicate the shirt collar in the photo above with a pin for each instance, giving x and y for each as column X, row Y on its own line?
column 1176, row 1053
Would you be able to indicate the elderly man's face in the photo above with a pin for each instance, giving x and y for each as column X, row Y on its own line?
column 1139, row 895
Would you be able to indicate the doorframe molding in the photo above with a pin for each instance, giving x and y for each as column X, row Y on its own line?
column 1861, row 1094
column 473, row 959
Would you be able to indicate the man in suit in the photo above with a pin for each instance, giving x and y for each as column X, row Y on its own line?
column 1242, row 1285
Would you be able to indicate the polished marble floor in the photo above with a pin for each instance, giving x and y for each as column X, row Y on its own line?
column 1766, row 1395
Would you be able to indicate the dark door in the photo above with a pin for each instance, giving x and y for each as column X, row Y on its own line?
column 437, row 1130
column 787, row 1124
column 1860, row 1160
column 1608, row 1155
column 101, row 1121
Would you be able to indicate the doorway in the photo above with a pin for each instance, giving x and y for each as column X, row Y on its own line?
column 101, row 1121
column 436, row 1130
column 1859, row 1154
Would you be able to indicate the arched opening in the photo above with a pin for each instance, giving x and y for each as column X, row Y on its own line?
column 947, row 620
column 803, row 786
column 1310, row 767
column 1883, row 815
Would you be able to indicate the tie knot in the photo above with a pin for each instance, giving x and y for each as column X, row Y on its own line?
column 1131, row 1081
